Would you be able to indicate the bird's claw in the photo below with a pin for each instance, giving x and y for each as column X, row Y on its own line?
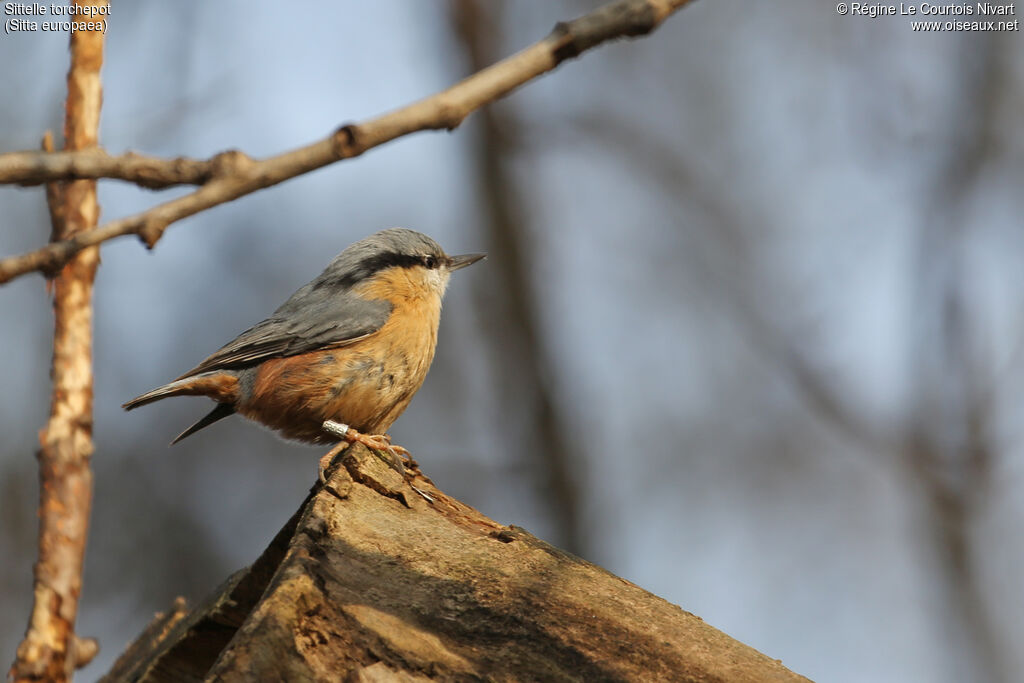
column 380, row 442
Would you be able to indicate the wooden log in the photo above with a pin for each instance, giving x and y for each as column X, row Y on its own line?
column 375, row 583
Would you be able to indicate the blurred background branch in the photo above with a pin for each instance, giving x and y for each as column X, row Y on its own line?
column 733, row 274
column 945, row 442
column 948, row 447
column 520, row 361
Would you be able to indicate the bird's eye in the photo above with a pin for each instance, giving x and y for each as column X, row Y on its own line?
column 430, row 262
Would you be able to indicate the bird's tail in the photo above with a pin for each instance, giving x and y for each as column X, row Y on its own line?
column 219, row 413
column 219, row 385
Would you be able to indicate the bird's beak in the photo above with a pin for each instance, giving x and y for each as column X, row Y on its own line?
column 463, row 260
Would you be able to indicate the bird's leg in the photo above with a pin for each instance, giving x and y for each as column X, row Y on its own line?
column 379, row 444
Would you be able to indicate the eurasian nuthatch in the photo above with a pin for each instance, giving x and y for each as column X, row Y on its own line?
column 350, row 347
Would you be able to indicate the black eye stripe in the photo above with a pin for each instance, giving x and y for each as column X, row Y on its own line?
column 389, row 260
column 374, row 264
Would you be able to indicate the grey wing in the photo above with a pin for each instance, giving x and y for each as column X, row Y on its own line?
column 313, row 318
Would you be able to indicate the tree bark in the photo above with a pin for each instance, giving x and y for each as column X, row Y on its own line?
column 375, row 583
column 50, row 650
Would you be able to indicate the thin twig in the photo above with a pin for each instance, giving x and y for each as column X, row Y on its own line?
column 51, row 650
column 234, row 174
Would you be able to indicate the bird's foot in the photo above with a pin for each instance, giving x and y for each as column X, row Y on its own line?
column 379, row 444
column 376, row 442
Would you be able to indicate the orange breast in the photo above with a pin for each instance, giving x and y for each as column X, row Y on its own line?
column 366, row 384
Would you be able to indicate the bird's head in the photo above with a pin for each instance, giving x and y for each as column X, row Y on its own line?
column 399, row 258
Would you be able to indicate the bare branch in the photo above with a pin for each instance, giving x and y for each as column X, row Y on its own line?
column 234, row 174
column 51, row 650
column 36, row 168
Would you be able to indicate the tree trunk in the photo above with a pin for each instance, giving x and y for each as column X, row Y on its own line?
column 376, row 583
